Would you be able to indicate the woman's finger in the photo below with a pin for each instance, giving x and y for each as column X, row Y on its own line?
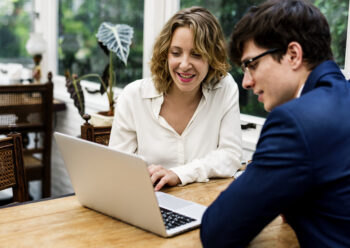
column 161, row 183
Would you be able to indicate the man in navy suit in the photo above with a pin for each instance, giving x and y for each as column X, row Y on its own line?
column 301, row 166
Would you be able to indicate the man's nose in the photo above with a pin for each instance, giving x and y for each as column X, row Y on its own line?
column 247, row 82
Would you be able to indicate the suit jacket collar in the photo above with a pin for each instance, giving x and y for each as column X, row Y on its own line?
column 323, row 69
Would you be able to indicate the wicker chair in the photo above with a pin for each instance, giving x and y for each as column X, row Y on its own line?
column 29, row 110
column 11, row 168
column 95, row 134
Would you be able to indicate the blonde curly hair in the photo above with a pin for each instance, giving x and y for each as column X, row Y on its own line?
column 208, row 41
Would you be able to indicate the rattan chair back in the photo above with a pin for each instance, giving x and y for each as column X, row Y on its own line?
column 12, row 173
column 28, row 109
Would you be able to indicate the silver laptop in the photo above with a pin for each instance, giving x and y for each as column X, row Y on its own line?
column 118, row 184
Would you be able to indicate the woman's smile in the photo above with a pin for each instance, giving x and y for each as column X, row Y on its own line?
column 185, row 77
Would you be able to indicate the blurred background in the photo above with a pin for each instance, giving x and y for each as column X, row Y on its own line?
column 78, row 21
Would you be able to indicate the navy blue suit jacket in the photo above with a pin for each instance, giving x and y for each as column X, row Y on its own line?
column 301, row 168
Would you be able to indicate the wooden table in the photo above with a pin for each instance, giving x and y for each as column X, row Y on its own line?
column 63, row 222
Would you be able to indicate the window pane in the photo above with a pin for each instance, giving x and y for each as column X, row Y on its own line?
column 229, row 12
column 78, row 47
column 15, row 26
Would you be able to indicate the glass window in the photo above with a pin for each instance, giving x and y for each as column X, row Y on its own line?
column 78, row 47
column 229, row 12
column 15, row 26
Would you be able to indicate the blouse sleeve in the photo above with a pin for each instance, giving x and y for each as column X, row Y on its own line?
column 123, row 133
column 226, row 159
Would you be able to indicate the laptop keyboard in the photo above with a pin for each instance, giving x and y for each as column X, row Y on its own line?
column 172, row 219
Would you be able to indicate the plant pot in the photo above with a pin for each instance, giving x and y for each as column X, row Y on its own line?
column 101, row 119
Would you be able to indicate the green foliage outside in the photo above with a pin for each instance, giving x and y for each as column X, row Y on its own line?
column 15, row 26
column 78, row 47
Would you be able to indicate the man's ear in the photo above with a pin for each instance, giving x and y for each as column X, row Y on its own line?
column 295, row 54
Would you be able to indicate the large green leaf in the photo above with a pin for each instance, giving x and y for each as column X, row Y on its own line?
column 116, row 38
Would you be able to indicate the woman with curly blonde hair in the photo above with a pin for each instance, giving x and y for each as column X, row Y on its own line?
column 184, row 120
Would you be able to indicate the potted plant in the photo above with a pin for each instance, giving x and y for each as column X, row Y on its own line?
column 114, row 39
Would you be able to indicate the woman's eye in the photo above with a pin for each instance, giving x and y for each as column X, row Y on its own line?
column 196, row 55
column 176, row 54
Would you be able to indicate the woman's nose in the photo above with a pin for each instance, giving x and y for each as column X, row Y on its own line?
column 185, row 62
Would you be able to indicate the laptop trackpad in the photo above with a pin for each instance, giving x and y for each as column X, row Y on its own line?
column 172, row 202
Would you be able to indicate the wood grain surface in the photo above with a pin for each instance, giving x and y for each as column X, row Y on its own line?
column 63, row 222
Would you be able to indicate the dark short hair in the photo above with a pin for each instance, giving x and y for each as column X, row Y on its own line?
column 276, row 23
column 209, row 41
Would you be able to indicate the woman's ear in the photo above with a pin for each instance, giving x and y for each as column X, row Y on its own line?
column 295, row 54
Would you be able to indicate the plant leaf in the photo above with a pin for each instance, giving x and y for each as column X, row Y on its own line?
column 117, row 38
column 76, row 92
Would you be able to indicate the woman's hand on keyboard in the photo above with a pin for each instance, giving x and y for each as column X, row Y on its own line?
column 161, row 176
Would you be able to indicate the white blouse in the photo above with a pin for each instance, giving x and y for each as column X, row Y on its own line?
column 210, row 145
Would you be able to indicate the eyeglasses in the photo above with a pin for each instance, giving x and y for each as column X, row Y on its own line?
column 245, row 64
